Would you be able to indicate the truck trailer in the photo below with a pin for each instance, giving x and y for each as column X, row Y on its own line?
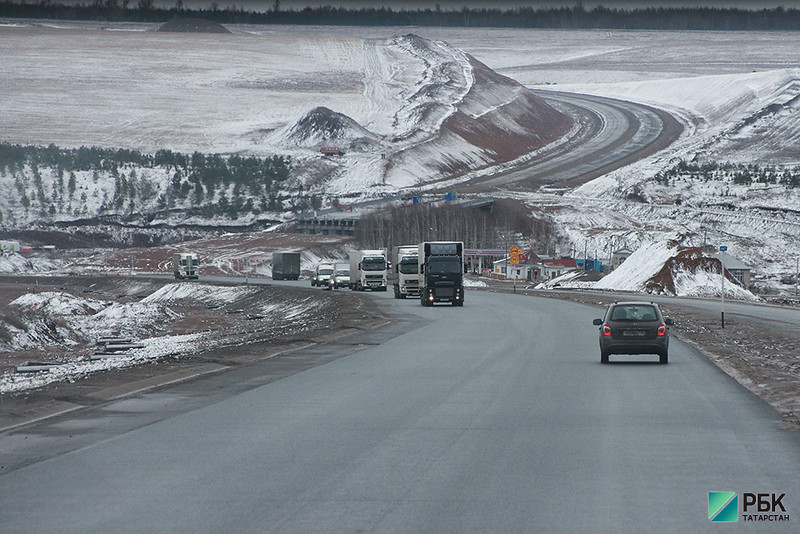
column 368, row 270
column 285, row 265
column 405, row 271
column 441, row 272
column 185, row 265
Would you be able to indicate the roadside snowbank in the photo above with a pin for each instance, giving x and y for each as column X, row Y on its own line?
column 671, row 269
column 63, row 327
column 16, row 263
column 155, row 348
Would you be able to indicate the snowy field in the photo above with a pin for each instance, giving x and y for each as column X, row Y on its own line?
column 73, row 85
column 738, row 94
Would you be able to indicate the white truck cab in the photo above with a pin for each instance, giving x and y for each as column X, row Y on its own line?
column 405, row 271
column 368, row 270
column 185, row 265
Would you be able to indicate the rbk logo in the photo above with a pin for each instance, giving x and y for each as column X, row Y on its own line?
column 723, row 506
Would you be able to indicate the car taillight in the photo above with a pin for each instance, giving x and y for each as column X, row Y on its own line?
column 662, row 329
column 606, row 329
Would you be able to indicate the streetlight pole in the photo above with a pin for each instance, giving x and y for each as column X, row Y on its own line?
column 515, row 279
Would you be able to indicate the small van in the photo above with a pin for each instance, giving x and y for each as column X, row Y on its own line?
column 321, row 275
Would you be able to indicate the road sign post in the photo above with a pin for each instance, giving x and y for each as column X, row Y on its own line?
column 514, row 255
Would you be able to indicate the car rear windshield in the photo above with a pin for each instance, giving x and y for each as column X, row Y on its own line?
column 634, row 312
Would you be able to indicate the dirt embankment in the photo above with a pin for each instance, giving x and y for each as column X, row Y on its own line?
column 517, row 127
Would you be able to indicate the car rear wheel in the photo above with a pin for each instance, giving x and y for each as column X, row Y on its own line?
column 603, row 356
column 663, row 357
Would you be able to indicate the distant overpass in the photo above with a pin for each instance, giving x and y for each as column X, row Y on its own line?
column 343, row 220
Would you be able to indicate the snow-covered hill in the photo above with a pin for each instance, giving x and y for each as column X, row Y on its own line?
column 748, row 119
column 411, row 108
column 672, row 269
column 417, row 110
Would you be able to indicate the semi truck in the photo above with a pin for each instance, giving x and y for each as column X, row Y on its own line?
column 405, row 271
column 368, row 270
column 285, row 265
column 441, row 272
column 185, row 265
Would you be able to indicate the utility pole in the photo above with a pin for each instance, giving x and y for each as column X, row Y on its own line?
column 585, row 249
column 722, row 249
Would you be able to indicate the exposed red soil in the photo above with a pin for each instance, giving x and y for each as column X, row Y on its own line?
column 688, row 259
column 523, row 125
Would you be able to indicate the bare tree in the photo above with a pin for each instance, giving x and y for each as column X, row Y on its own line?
column 477, row 228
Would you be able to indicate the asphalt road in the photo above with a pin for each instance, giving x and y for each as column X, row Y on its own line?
column 623, row 132
column 779, row 318
column 494, row 417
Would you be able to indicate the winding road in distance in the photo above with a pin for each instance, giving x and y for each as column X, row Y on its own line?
column 618, row 133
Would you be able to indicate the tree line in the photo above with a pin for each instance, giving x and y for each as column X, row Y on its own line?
column 737, row 173
column 46, row 183
column 506, row 223
column 576, row 17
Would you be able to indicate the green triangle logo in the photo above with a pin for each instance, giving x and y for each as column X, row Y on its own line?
column 723, row 506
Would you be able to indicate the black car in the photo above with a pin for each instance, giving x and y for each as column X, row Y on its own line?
column 634, row 328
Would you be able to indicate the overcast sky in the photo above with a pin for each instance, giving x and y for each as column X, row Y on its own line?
column 263, row 5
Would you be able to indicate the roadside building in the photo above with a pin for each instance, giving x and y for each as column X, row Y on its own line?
column 589, row 264
column 556, row 267
column 619, row 256
column 502, row 268
column 740, row 271
column 530, row 270
column 331, row 150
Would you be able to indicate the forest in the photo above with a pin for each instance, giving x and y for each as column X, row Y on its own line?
column 50, row 181
column 505, row 223
column 576, row 17
column 737, row 173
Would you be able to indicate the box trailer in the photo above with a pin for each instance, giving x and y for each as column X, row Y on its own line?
column 285, row 265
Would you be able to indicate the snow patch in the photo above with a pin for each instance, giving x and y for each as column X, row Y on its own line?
column 199, row 292
column 672, row 269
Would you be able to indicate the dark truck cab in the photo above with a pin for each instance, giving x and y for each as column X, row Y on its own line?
column 441, row 268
